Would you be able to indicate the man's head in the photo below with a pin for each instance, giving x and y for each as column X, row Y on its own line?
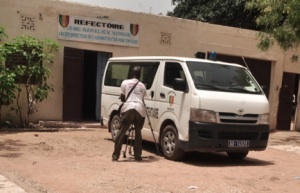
column 136, row 72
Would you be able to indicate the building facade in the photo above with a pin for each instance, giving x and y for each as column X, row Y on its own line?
column 89, row 35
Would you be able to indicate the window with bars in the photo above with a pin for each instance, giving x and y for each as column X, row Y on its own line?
column 15, row 60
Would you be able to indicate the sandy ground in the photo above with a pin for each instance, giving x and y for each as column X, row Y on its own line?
column 80, row 162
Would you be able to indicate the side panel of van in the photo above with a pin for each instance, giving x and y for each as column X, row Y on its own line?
column 115, row 73
column 173, row 106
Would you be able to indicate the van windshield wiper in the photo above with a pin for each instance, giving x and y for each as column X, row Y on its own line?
column 210, row 87
column 242, row 89
column 227, row 89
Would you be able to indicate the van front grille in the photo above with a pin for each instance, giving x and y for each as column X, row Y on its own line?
column 227, row 135
column 238, row 135
column 205, row 134
column 234, row 118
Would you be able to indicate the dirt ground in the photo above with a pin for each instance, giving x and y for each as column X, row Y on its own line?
column 79, row 161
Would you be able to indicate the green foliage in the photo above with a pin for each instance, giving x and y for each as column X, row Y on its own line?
column 35, row 56
column 279, row 22
column 2, row 33
column 229, row 13
column 7, row 85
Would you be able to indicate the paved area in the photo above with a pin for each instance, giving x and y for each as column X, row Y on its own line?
column 289, row 148
column 7, row 186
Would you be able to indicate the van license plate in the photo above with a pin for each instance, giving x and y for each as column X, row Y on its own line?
column 238, row 143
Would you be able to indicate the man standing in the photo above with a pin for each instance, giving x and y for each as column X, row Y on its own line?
column 133, row 113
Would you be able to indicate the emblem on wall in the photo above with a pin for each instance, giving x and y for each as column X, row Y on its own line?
column 64, row 20
column 28, row 22
column 134, row 29
column 166, row 38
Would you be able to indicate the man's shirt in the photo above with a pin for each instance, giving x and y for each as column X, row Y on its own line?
column 135, row 99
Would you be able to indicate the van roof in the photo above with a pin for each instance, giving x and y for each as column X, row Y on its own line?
column 176, row 58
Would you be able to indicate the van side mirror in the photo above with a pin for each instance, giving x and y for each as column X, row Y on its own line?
column 180, row 85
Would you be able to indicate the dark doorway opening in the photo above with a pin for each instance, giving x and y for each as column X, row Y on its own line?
column 295, row 97
column 285, row 107
column 83, row 71
column 89, row 85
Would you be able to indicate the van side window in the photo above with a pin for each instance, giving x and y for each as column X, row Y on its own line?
column 148, row 73
column 119, row 71
column 172, row 70
column 115, row 74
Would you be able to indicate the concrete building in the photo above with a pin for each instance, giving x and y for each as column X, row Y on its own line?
column 90, row 35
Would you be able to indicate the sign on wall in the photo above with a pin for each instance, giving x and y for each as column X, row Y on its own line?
column 96, row 30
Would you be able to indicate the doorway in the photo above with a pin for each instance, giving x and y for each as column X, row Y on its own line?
column 89, row 85
column 296, row 95
column 287, row 101
column 82, row 79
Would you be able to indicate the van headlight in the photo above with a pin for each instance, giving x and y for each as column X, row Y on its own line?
column 200, row 115
column 264, row 119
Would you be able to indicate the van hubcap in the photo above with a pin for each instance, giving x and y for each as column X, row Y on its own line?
column 115, row 128
column 169, row 142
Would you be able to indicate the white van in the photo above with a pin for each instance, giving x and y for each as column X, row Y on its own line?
column 192, row 104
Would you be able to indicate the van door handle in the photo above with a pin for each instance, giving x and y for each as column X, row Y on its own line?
column 152, row 94
column 162, row 95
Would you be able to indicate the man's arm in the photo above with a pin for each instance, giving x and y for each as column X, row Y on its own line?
column 122, row 97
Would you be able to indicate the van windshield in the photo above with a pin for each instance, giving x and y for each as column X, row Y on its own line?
column 218, row 77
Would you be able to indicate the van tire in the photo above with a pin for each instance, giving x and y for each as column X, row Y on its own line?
column 115, row 125
column 237, row 155
column 170, row 144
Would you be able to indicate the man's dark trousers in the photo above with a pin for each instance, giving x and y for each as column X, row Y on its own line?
column 130, row 117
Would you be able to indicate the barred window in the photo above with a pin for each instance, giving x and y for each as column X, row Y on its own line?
column 18, row 59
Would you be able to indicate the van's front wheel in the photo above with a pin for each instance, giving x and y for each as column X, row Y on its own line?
column 170, row 144
column 115, row 125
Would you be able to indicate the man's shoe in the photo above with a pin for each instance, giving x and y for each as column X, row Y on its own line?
column 114, row 158
column 138, row 159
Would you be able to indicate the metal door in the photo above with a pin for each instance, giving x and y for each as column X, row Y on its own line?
column 72, row 84
column 284, row 114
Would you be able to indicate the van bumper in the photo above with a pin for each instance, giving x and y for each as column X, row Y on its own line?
column 216, row 137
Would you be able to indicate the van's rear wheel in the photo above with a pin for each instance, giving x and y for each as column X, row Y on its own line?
column 239, row 155
column 170, row 144
column 115, row 125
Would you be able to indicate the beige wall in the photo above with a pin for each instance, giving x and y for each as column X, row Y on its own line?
column 187, row 37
